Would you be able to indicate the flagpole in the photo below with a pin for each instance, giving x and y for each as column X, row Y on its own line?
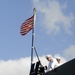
column 33, row 35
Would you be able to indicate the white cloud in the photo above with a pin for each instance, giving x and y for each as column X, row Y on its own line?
column 70, row 52
column 53, row 17
column 22, row 66
column 15, row 67
column 19, row 66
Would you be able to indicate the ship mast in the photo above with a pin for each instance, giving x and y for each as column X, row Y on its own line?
column 33, row 35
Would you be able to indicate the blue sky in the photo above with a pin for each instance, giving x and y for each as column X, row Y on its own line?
column 54, row 29
column 54, row 32
column 12, row 14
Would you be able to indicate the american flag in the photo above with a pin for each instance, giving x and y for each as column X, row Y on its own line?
column 27, row 25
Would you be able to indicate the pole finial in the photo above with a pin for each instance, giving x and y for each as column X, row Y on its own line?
column 34, row 10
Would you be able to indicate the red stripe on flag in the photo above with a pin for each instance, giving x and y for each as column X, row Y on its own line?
column 27, row 25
